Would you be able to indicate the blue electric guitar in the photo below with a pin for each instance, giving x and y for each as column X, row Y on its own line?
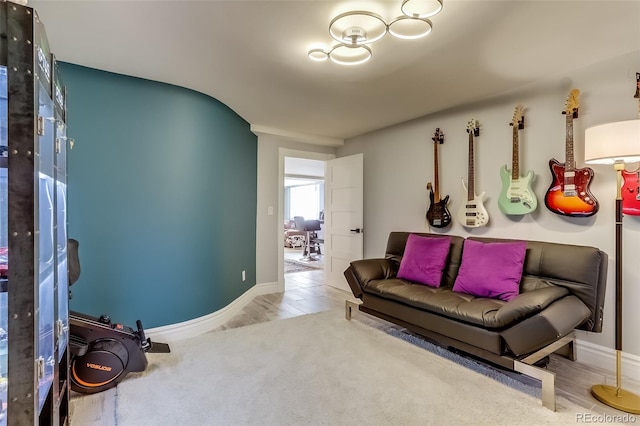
column 472, row 213
column 516, row 197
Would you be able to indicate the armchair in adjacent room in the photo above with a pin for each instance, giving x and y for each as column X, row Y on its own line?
column 293, row 238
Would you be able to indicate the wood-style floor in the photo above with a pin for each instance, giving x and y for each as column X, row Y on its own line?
column 306, row 293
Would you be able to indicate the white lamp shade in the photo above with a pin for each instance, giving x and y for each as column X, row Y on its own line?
column 613, row 142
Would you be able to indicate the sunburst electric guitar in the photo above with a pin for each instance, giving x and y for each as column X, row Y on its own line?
column 472, row 214
column 516, row 197
column 438, row 215
column 569, row 193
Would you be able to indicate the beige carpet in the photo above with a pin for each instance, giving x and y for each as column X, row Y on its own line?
column 319, row 369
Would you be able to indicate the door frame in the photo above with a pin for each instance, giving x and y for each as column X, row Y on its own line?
column 282, row 153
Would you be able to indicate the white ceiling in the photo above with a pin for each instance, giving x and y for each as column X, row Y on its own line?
column 251, row 55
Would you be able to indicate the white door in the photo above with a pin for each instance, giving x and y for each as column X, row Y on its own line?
column 343, row 217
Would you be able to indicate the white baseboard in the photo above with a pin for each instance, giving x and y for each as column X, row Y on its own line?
column 198, row 326
column 603, row 357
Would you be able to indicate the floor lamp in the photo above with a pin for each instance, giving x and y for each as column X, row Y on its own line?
column 615, row 143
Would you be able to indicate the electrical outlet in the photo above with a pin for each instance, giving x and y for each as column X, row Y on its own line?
column 244, row 275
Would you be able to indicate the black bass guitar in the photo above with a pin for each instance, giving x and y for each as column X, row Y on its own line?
column 438, row 215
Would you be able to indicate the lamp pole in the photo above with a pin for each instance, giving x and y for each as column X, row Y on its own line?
column 617, row 397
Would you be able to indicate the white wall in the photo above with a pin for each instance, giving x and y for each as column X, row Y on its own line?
column 398, row 161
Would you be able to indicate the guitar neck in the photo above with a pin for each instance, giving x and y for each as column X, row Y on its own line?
column 436, row 189
column 470, row 183
column 515, row 162
column 569, row 164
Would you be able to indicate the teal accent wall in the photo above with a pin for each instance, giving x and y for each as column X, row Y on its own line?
column 162, row 198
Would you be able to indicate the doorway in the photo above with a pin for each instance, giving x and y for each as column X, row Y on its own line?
column 298, row 154
column 343, row 218
column 303, row 208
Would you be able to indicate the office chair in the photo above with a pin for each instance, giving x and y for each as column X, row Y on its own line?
column 311, row 242
column 313, row 247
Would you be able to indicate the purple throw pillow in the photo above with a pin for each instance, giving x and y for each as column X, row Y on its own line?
column 491, row 270
column 424, row 259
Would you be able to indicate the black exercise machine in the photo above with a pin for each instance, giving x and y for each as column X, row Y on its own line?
column 103, row 352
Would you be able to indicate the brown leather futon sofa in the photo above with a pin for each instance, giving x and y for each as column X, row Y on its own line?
column 562, row 288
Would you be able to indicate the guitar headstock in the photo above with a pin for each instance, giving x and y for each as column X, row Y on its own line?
column 571, row 105
column 518, row 117
column 473, row 126
column 438, row 136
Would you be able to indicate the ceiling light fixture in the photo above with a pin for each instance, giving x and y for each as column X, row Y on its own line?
column 409, row 28
column 342, row 54
column 421, row 8
column 356, row 29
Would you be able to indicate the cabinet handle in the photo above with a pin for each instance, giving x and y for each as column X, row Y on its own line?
column 40, row 367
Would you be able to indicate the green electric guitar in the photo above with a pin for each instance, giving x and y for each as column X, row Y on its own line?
column 516, row 197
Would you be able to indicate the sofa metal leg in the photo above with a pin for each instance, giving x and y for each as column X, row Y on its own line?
column 547, row 378
column 571, row 354
column 525, row 366
column 350, row 309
